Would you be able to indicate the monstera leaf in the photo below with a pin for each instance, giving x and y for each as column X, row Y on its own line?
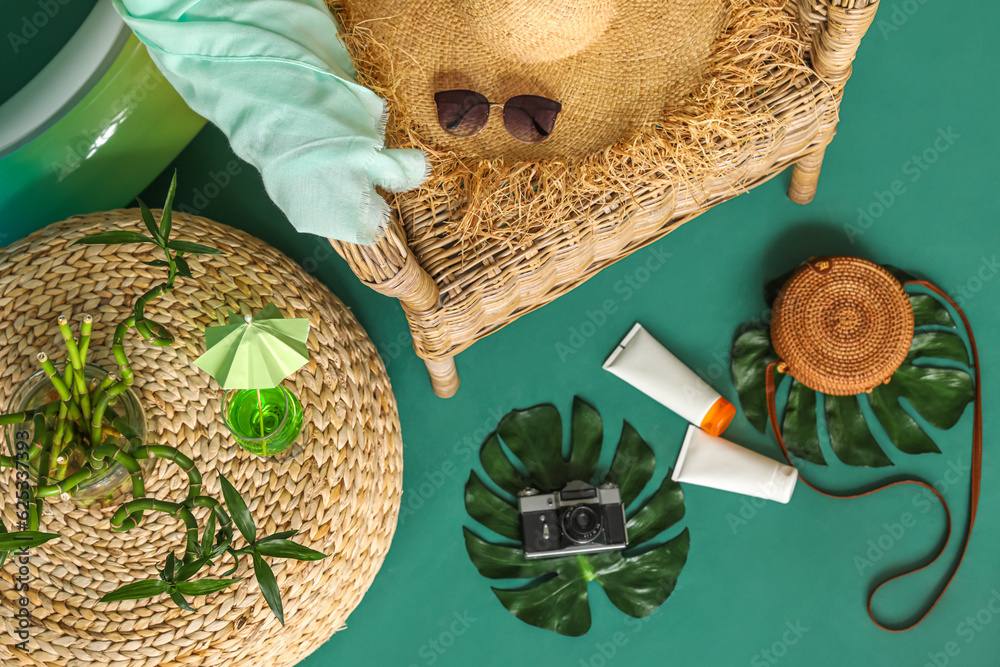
column 934, row 380
column 555, row 597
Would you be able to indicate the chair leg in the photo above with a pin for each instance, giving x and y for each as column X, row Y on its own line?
column 805, row 175
column 444, row 376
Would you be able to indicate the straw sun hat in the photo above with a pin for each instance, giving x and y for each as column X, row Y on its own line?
column 618, row 68
column 612, row 64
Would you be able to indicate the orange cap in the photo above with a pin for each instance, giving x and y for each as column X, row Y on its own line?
column 718, row 417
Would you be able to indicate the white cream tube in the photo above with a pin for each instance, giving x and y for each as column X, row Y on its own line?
column 706, row 460
column 645, row 364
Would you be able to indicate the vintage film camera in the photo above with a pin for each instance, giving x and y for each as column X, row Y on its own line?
column 579, row 519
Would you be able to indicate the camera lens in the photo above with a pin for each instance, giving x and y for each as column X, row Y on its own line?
column 581, row 524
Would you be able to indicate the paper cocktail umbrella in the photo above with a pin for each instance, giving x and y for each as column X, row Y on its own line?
column 257, row 353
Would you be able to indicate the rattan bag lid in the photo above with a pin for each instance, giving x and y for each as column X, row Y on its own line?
column 842, row 325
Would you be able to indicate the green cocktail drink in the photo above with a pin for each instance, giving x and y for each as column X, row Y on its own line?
column 263, row 421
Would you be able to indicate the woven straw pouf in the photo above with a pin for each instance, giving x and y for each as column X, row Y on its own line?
column 342, row 492
column 842, row 325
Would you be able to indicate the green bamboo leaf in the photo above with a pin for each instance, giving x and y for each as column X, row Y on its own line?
column 751, row 353
column 586, row 437
column 3, row 554
column 180, row 601
column 25, row 539
column 208, row 537
column 137, row 590
column 147, row 219
column 169, row 566
column 159, row 263
column 188, row 570
column 269, row 587
column 495, row 513
column 166, row 221
column 182, row 266
column 799, row 425
column 662, row 510
column 204, row 586
column 850, row 438
column 114, row 237
column 500, row 469
column 236, row 566
column 640, row 584
column 534, row 436
column 287, row 549
column 222, row 542
column 556, row 599
column 632, row 466
column 193, row 248
column 283, row 535
column 238, row 510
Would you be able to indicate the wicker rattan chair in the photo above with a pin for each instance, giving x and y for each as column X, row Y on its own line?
column 452, row 300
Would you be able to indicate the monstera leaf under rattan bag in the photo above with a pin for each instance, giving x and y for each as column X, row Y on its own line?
column 855, row 339
column 852, row 342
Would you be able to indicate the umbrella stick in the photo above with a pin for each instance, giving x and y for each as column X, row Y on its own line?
column 260, row 408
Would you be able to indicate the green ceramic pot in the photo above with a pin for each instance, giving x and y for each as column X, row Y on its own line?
column 123, row 125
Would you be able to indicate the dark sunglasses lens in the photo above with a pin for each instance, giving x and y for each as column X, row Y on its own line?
column 530, row 118
column 462, row 113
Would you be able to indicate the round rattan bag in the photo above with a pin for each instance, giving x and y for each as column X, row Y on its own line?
column 842, row 325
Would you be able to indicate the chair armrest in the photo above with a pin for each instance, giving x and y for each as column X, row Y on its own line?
column 389, row 267
column 836, row 27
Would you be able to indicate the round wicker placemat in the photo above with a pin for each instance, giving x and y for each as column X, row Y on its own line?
column 842, row 325
column 342, row 492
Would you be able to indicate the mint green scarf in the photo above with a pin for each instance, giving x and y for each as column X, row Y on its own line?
column 275, row 78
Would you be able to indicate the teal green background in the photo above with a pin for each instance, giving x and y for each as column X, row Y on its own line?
column 925, row 70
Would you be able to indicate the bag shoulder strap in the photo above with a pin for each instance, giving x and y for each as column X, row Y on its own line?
column 976, row 474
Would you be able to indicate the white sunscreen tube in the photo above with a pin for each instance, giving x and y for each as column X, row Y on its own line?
column 710, row 461
column 645, row 364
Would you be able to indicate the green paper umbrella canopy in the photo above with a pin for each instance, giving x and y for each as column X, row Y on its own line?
column 255, row 352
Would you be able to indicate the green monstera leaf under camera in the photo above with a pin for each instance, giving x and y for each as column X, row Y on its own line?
column 934, row 379
column 636, row 581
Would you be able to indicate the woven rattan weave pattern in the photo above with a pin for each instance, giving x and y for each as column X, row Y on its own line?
column 342, row 492
column 454, row 295
column 842, row 325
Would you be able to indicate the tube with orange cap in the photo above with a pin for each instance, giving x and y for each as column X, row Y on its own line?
column 644, row 363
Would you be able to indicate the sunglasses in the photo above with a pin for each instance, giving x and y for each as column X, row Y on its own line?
column 528, row 118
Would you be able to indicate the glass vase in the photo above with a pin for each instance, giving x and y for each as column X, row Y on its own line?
column 265, row 422
column 37, row 390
